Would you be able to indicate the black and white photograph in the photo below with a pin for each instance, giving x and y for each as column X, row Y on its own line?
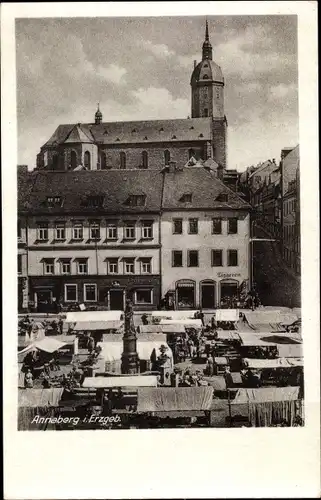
column 158, row 223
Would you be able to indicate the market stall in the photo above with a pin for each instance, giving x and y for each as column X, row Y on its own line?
column 37, row 402
column 268, row 406
column 268, row 320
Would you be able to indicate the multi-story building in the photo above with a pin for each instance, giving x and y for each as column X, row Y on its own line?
column 205, row 231
column 148, row 144
column 22, row 255
column 93, row 238
column 290, row 169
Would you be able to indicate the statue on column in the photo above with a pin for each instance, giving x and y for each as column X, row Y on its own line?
column 130, row 360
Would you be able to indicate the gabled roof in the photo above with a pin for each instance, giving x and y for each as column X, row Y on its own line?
column 115, row 186
column 78, row 135
column 145, row 131
column 205, row 189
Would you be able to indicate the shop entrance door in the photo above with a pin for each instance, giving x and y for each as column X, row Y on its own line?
column 208, row 295
column 44, row 301
column 116, row 300
column 229, row 293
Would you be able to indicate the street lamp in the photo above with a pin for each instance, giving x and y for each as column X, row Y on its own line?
column 129, row 359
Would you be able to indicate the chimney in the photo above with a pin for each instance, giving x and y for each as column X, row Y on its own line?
column 195, row 63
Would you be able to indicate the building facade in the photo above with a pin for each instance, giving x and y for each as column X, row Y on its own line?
column 291, row 246
column 148, row 144
column 205, row 232
column 93, row 238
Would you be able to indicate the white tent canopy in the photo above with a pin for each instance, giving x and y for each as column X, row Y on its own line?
column 227, row 315
column 258, row 364
column 174, row 314
column 87, row 316
column 46, row 344
column 188, row 323
column 130, row 381
column 112, row 351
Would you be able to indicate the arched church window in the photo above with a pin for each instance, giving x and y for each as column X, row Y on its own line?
column 167, row 157
column 191, row 153
column 87, row 160
column 54, row 161
column 103, row 161
column 144, row 159
column 73, row 160
column 122, row 157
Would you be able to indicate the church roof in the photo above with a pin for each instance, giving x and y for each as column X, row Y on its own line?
column 78, row 135
column 207, row 71
column 204, row 188
column 131, row 132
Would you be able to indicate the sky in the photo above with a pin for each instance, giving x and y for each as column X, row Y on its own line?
column 140, row 68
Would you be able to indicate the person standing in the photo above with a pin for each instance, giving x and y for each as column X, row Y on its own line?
column 28, row 379
column 144, row 319
column 210, row 365
column 60, row 325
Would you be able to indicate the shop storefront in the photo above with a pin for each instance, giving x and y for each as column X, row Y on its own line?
column 185, row 294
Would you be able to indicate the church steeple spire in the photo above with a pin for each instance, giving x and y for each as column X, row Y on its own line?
column 98, row 116
column 207, row 47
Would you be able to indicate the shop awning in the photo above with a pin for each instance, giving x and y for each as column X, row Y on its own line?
column 253, row 339
column 126, row 381
column 259, row 364
column 227, row 315
column 90, row 326
column 88, row 316
column 266, row 395
column 173, row 399
column 40, row 398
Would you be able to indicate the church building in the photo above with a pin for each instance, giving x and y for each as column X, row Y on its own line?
column 148, row 144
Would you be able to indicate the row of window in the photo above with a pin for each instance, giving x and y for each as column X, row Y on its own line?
column 129, row 229
column 74, row 161
column 112, row 231
column 114, row 266
column 289, row 206
column 140, row 296
column 289, row 233
column 193, row 258
column 232, row 226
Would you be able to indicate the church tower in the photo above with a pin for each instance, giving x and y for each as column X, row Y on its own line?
column 207, row 83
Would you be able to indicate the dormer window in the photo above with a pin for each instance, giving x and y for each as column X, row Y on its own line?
column 134, row 130
column 205, row 77
column 117, row 139
column 186, row 198
column 136, row 200
column 105, row 132
column 206, row 114
column 145, row 138
column 54, row 201
column 174, row 137
column 161, row 129
column 191, row 128
column 222, row 197
column 95, row 201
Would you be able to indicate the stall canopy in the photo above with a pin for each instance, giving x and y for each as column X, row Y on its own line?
column 270, row 405
column 174, row 314
column 258, row 364
column 90, row 326
column 188, row 323
column 266, row 394
column 269, row 320
column 174, row 399
column 88, row 316
column 228, row 335
column 172, row 328
column 39, row 398
column 227, row 315
column 112, row 351
column 252, row 339
column 47, row 344
column 290, row 350
column 126, row 381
